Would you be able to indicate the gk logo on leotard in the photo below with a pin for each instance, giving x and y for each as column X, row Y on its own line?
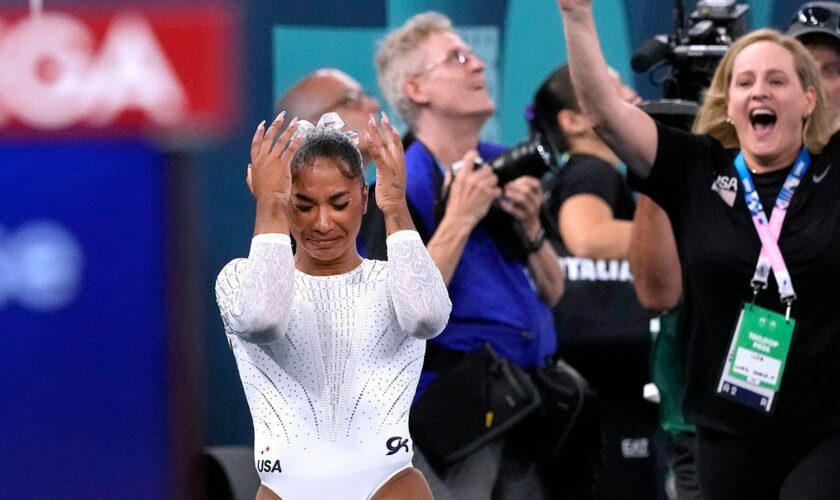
column 395, row 444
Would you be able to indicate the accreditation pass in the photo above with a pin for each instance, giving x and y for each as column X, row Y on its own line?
column 753, row 369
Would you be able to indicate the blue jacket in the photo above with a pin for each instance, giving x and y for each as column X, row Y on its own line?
column 493, row 299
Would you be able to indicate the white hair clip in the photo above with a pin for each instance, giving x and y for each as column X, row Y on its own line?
column 331, row 121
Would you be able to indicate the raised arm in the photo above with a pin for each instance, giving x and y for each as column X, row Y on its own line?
column 254, row 294
column 653, row 258
column 628, row 130
column 417, row 290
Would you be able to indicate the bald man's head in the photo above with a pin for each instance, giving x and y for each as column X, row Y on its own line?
column 328, row 90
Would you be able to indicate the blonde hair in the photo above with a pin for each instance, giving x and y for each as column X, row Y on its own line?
column 396, row 61
column 712, row 117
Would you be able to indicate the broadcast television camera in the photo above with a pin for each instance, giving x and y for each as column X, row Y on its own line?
column 690, row 54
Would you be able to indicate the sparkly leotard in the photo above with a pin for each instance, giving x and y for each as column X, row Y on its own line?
column 330, row 364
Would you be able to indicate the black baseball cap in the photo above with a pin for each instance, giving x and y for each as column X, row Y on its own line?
column 816, row 18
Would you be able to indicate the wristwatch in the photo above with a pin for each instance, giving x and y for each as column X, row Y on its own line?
column 535, row 244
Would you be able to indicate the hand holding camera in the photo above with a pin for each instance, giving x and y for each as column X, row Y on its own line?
column 472, row 191
column 522, row 198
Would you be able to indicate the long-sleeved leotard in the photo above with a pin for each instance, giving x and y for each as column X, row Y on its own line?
column 330, row 364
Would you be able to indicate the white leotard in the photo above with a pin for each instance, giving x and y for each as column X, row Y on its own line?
column 330, row 364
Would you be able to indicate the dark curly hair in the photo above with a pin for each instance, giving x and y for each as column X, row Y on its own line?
column 332, row 144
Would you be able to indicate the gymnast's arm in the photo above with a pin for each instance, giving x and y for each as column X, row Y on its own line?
column 415, row 284
column 254, row 294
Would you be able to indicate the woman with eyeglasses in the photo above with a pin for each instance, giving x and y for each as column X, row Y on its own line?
column 328, row 345
column 752, row 197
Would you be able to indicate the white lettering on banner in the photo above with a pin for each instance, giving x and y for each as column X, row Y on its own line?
column 132, row 72
column 582, row 269
column 50, row 76
column 3, row 117
column 42, row 61
column 41, row 267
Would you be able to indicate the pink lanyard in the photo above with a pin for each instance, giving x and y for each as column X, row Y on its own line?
column 768, row 231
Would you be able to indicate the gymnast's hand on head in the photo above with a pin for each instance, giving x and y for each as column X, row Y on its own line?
column 385, row 147
column 269, row 176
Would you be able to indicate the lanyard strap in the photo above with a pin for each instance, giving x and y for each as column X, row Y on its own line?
column 768, row 231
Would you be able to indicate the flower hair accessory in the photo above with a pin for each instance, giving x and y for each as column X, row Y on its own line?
column 331, row 121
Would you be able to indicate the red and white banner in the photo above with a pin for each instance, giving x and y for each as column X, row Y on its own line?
column 143, row 69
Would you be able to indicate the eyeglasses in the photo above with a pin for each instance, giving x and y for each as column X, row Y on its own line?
column 352, row 99
column 818, row 16
column 458, row 56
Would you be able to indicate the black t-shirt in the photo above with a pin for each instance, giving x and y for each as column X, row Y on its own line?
column 695, row 181
column 585, row 174
column 602, row 329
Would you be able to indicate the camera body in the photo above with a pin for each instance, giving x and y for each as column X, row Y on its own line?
column 534, row 156
column 695, row 47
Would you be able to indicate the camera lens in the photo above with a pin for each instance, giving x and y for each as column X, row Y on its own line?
column 530, row 157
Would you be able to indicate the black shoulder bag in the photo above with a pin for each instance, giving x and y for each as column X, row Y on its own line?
column 468, row 405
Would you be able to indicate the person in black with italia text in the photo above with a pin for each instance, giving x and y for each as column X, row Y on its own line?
column 602, row 330
column 752, row 197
